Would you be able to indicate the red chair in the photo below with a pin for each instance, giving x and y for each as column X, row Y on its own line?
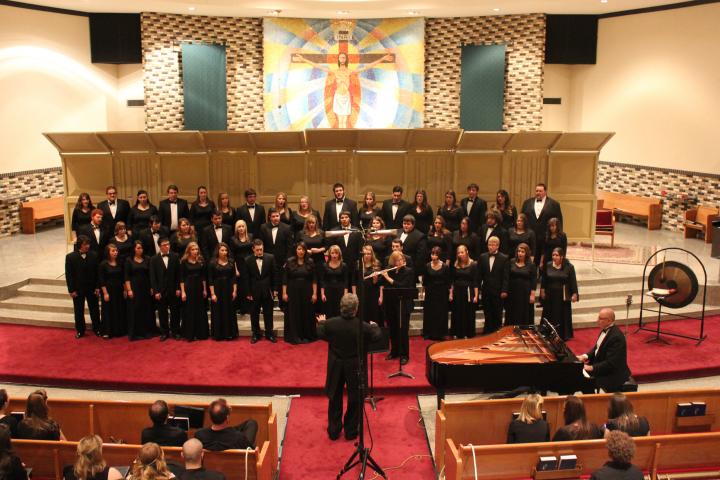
column 605, row 224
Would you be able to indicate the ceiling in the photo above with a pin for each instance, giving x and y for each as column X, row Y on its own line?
column 354, row 8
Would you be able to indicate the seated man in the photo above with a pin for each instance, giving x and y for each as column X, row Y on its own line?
column 161, row 433
column 621, row 449
column 192, row 453
column 221, row 435
column 606, row 362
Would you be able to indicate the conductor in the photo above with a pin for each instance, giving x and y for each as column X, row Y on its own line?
column 341, row 333
column 606, row 362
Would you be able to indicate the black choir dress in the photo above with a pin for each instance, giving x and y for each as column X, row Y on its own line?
column 125, row 249
column 318, row 241
column 462, row 320
column 194, row 311
column 79, row 218
column 297, row 221
column 444, row 242
column 179, row 244
column 452, row 217
column 471, row 242
column 299, row 321
column 515, row 239
column 139, row 219
column 436, row 304
column 518, row 309
column 366, row 217
column 509, row 215
column 334, row 281
column 112, row 277
column 381, row 247
column 200, row 215
column 228, row 218
column 423, row 219
column 140, row 311
column 370, row 310
column 223, row 321
column 240, row 250
column 560, row 241
column 286, row 217
column 559, row 284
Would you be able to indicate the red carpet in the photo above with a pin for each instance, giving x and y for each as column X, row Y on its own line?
column 309, row 453
column 654, row 362
column 52, row 356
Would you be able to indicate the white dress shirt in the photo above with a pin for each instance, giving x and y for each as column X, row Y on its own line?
column 338, row 208
column 173, row 216
column 274, row 233
column 113, row 209
column 251, row 211
column 539, row 206
column 469, row 205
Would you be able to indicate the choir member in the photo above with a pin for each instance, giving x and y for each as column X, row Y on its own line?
column 559, row 290
column 201, row 210
column 394, row 209
column 468, row 238
column 140, row 311
column 81, row 273
column 81, row 214
column 165, row 283
column 414, row 244
column 519, row 307
column 140, row 213
column 368, row 210
column 277, row 239
column 123, row 242
column 314, row 240
column 436, row 283
column 463, row 294
column 370, row 292
column 494, row 228
column 474, row 207
column 399, row 320
column 193, row 294
column 299, row 291
column 521, row 234
column 282, row 208
column 151, row 236
column 185, row 234
column 227, row 210
column 214, row 234
column 538, row 211
column 506, row 208
column 554, row 238
column 379, row 243
column 241, row 248
column 451, row 211
column 172, row 209
column 300, row 216
column 440, row 237
column 252, row 212
column 331, row 215
column 114, row 209
column 223, row 291
column 334, row 281
column 397, row 246
column 422, row 212
column 493, row 275
column 350, row 245
column 261, row 283
column 95, row 232
column 111, row 276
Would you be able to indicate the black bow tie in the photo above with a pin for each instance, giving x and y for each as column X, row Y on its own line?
column 396, row 203
column 258, row 258
column 164, row 255
column 95, row 227
column 251, row 206
column 492, row 254
column 339, row 201
column 538, row 201
column 218, row 227
column 111, row 203
column 173, row 201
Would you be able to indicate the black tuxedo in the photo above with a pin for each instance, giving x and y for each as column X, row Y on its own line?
column 351, row 252
column 415, row 245
column 95, row 246
column 121, row 214
column 81, row 276
column 253, row 225
column 148, row 242
column 209, row 241
column 342, row 337
column 183, row 211
column 492, row 284
column 610, row 369
column 166, row 282
column 387, row 216
column 330, row 217
column 539, row 224
column 261, row 284
column 499, row 232
column 477, row 212
column 282, row 248
column 164, row 435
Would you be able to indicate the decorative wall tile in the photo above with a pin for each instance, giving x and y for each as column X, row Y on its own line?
column 20, row 187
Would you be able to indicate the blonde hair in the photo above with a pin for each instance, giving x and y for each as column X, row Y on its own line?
column 531, row 409
column 235, row 231
column 375, row 263
column 395, row 256
column 90, row 461
column 457, row 259
column 286, row 209
column 334, row 248
column 307, row 219
column 150, row 463
column 187, row 253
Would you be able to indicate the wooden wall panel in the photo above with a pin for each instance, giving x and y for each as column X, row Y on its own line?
column 326, row 169
column 527, row 169
column 137, row 171
column 379, row 173
column 231, row 173
column 87, row 173
column 281, row 172
column 578, row 216
column 432, row 172
column 571, row 181
column 484, row 168
column 186, row 171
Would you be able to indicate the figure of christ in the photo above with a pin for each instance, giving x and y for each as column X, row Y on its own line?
column 342, row 104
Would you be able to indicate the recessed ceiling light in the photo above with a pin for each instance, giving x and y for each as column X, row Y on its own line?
column 413, row 13
column 603, row 1
column 342, row 12
column 192, row 9
column 496, row 9
column 274, row 13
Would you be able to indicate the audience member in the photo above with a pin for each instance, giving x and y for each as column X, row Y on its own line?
column 530, row 426
column 90, row 464
column 621, row 449
column 162, row 433
column 150, row 464
column 11, row 468
column 37, row 424
column 5, row 418
column 192, row 453
column 621, row 417
column 576, row 426
column 221, row 435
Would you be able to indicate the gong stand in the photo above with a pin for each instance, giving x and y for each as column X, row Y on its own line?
column 683, row 285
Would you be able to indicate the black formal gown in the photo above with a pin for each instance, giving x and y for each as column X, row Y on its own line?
column 471, row 242
column 299, row 324
column 423, row 219
column 297, row 222
column 462, row 320
column 125, row 249
column 79, row 218
column 381, row 247
column 551, row 244
column 179, row 244
column 509, row 215
column 140, row 311
column 397, row 319
column 515, row 239
column 436, row 304
column 559, row 284
column 452, row 217
column 370, row 310
column 366, row 217
column 112, row 312
column 240, row 250
column 286, row 217
column 522, row 281
column 228, row 218
column 223, row 320
column 139, row 219
column 444, row 242
column 200, row 215
column 318, row 241
column 194, row 310
column 334, row 281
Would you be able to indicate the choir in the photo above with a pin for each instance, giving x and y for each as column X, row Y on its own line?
column 183, row 261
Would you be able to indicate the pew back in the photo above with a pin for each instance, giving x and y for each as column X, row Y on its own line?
column 644, row 207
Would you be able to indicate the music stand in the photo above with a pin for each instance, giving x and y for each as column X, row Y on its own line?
column 380, row 346
column 403, row 296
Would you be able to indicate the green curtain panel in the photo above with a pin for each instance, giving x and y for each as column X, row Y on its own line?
column 481, row 87
column 204, row 88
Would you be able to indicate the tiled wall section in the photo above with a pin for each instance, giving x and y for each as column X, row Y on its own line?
column 525, row 39
column 23, row 186
column 680, row 190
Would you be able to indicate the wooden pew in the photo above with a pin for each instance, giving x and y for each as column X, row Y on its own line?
column 485, row 422
column 700, row 220
column 654, row 454
column 40, row 210
column 642, row 207
column 47, row 459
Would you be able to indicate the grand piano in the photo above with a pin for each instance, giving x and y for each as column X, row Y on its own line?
column 512, row 357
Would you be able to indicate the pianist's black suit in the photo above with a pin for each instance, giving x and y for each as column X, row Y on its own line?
column 243, row 213
column 81, row 275
column 610, row 369
column 121, row 214
column 492, row 284
column 166, row 282
column 261, row 285
column 183, row 211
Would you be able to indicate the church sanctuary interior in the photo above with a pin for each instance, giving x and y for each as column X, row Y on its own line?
column 294, row 239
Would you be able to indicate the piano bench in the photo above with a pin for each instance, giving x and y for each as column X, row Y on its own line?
column 630, row 385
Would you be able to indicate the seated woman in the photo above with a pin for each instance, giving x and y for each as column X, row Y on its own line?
column 37, row 424
column 621, row 417
column 530, row 426
column 90, row 464
column 5, row 418
column 576, row 426
column 11, row 468
column 150, row 464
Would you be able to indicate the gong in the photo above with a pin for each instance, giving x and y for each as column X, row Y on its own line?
column 674, row 275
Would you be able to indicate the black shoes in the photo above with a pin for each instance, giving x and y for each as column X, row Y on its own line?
column 333, row 435
column 390, row 356
column 163, row 337
column 271, row 337
column 404, row 360
column 351, row 436
column 79, row 335
column 255, row 338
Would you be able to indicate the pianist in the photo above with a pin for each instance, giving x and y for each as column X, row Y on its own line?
column 606, row 362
